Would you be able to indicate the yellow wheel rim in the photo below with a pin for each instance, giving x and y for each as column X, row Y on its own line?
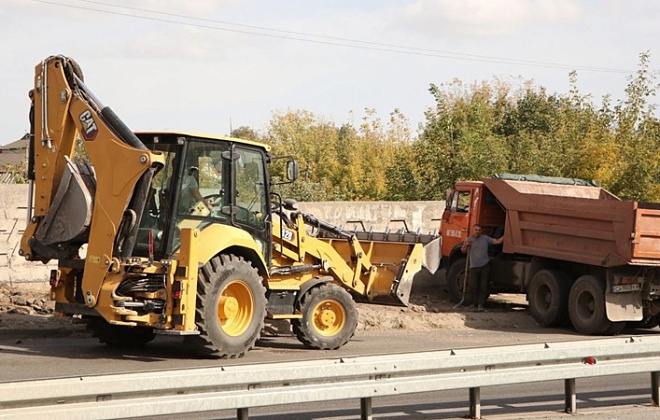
column 329, row 318
column 235, row 308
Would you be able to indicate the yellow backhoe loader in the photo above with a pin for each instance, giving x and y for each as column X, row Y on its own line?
column 181, row 234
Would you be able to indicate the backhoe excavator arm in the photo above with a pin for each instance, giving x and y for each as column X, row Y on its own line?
column 98, row 202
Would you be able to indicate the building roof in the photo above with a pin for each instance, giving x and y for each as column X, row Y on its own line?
column 15, row 152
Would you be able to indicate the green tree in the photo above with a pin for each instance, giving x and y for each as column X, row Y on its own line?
column 246, row 133
column 311, row 141
column 459, row 140
column 637, row 173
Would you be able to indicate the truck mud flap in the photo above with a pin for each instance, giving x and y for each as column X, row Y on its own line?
column 624, row 306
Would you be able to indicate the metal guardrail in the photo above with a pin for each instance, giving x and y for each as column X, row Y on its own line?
column 241, row 387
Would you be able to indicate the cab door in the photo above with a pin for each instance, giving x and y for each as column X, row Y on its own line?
column 251, row 196
column 457, row 217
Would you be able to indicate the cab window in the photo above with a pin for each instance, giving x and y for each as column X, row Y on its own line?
column 460, row 201
column 251, row 188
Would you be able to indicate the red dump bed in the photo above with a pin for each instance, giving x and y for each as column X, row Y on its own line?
column 583, row 224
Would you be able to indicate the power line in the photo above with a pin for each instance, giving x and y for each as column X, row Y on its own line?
column 357, row 41
column 325, row 39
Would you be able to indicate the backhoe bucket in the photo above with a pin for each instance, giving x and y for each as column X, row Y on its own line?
column 70, row 214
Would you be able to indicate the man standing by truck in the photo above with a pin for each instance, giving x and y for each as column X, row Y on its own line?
column 479, row 267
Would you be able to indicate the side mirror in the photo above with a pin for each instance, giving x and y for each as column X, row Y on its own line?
column 290, row 204
column 292, row 170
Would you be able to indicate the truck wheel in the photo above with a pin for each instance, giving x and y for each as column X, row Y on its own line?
column 329, row 317
column 231, row 307
column 119, row 336
column 548, row 297
column 455, row 280
column 586, row 306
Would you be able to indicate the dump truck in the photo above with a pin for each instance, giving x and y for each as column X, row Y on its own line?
column 182, row 234
column 579, row 253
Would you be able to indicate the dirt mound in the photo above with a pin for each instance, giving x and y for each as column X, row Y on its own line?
column 430, row 308
column 31, row 300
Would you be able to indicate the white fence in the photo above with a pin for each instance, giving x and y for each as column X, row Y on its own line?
column 240, row 387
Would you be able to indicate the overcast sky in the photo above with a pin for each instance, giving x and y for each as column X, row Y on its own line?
column 195, row 65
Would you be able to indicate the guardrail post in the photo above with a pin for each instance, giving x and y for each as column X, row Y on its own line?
column 569, row 396
column 242, row 414
column 475, row 403
column 655, row 388
column 366, row 410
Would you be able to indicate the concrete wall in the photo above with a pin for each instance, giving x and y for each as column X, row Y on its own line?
column 422, row 216
column 419, row 215
column 13, row 214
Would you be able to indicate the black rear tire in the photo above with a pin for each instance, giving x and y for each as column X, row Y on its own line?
column 231, row 307
column 329, row 317
column 586, row 306
column 119, row 336
column 548, row 297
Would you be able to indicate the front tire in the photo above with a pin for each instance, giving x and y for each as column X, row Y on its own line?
column 231, row 307
column 548, row 297
column 329, row 317
column 455, row 282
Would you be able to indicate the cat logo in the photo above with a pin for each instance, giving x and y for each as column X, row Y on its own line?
column 90, row 129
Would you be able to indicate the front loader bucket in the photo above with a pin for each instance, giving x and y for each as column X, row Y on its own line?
column 382, row 265
column 395, row 290
column 392, row 267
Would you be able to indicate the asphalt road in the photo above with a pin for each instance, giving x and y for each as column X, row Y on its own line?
column 34, row 358
column 621, row 397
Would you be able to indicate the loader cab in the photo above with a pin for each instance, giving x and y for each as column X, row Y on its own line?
column 205, row 181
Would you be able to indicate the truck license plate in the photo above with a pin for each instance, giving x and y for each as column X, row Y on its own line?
column 621, row 288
